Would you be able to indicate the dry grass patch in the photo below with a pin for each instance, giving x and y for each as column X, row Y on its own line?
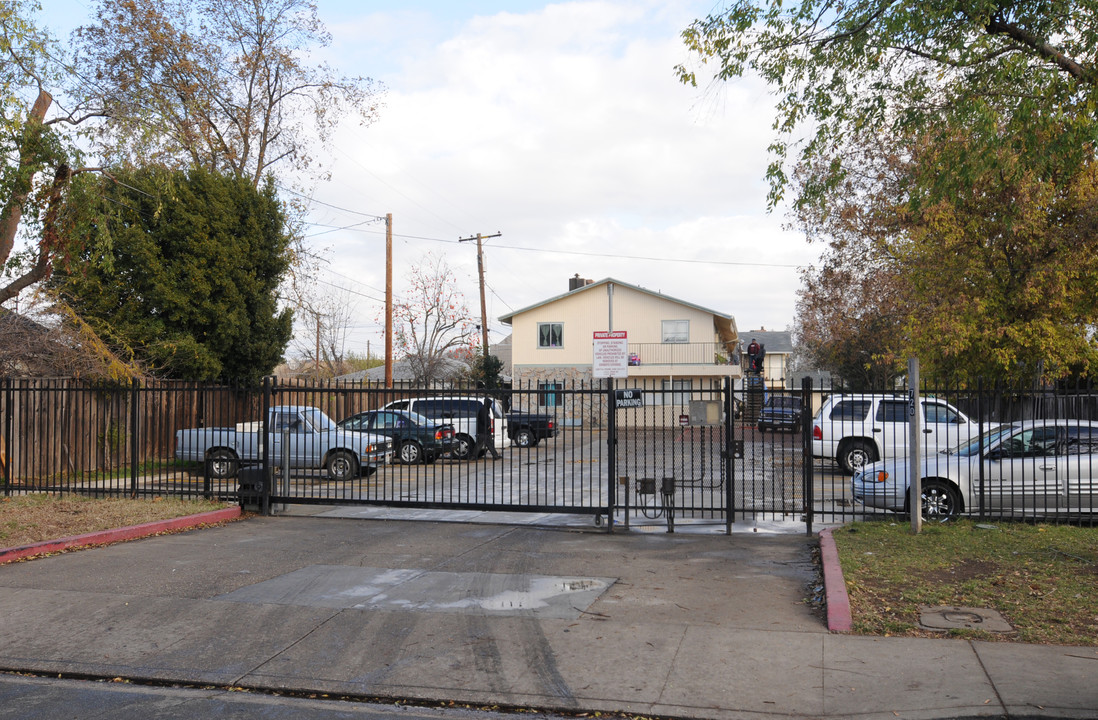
column 1041, row 578
column 27, row 519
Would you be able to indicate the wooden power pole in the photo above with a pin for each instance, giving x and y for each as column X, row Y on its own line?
column 480, row 271
column 389, row 300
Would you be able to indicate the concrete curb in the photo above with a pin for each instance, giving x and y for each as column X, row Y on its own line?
column 838, row 602
column 105, row 537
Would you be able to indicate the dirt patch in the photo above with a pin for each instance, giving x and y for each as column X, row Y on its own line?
column 28, row 519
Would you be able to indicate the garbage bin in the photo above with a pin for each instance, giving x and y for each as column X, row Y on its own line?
column 251, row 487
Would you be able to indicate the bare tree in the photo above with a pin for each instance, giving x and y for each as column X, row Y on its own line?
column 325, row 324
column 221, row 84
column 433, row 322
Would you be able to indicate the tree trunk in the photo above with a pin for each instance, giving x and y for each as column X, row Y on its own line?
column 12, row 215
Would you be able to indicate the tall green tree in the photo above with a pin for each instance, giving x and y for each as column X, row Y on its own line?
column 945, row 149
column 995, row 280
column 1000, row 276
column 840, row 68
column 190, row 283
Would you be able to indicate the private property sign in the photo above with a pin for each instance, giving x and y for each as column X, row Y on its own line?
column 611, row 354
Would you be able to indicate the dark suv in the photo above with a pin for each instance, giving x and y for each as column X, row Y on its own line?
column 780, row 412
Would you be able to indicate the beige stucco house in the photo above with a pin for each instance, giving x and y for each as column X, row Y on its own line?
column 678, row 350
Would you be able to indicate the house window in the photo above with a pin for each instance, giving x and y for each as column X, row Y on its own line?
column 546, row 396
column 676, row 331
column 550, row 335
column 675, row 392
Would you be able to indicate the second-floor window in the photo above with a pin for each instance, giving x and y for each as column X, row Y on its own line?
column 676, row 331
column 550, row 335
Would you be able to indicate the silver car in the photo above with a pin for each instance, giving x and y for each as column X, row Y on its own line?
column 1035, row 467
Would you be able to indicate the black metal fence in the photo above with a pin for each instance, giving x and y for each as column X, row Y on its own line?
column 637, row 451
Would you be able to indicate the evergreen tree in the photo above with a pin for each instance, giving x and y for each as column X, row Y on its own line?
column 190, row 282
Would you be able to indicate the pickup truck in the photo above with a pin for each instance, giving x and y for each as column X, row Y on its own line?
column 528, row 429
column 315, row 441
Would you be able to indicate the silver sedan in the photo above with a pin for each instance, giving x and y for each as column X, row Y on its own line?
column 1047, row 467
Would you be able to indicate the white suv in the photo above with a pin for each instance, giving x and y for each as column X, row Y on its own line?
column 857, row 429
column 461, row 412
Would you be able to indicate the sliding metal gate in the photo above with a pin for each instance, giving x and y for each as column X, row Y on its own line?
column 686, row 455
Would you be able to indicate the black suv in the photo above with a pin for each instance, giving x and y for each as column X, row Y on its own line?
column 780, row 412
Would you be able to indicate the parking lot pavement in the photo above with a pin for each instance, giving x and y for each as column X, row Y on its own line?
column 560, row 619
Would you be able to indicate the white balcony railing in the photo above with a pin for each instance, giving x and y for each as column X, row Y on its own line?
column 711, row 353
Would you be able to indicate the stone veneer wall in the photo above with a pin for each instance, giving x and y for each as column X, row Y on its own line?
column 587, row 409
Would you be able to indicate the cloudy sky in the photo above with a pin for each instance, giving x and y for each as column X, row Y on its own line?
column 562, row 127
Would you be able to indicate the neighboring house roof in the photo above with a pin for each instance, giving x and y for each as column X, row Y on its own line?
column 402, row 370
column 780, row 342
column 502, row 350
column 726, row 324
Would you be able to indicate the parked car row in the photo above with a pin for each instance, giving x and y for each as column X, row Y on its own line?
column 412, row 431
column 1045, row 467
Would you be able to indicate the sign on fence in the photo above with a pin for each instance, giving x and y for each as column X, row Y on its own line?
column 630, row 398
column 611, row 354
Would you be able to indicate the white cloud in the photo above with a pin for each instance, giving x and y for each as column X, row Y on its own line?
column 564, row 128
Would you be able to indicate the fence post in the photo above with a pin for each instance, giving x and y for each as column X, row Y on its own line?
column 808, row 477
column 612, row 454
column 980, row 446
column 134, row 437
column 9, row 414
column 264, row 425
column 729, row 463
column 914, row 451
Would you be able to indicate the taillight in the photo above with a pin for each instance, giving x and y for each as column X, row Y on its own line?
column 550, row 424
column 817, row 433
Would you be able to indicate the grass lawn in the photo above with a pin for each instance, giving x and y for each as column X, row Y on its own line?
column 1043, row 579
column 26, row 519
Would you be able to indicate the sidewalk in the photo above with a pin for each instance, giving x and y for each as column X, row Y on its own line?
column 691, row 624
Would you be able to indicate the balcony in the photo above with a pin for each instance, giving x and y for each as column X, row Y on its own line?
column 710, row 358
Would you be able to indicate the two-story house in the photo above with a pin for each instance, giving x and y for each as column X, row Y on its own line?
column 677, row 350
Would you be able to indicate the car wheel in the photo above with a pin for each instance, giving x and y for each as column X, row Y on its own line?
column 762, row 428
column 410, row 453
column 855, row 454
column 342, row 466
column 941, row 501
column 222, row 464
column 463, row 447
column 524, row 438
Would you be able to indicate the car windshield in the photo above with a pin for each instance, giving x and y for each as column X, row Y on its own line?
column 972, row 446
column 785, row 402
column 319, row 420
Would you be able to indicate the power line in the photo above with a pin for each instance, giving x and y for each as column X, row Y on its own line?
column 616, row 256
column 354, row 280
column 312, row 200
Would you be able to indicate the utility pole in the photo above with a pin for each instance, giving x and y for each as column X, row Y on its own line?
column 388, row 301
column 480, row 270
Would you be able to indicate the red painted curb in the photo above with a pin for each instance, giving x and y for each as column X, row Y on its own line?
column 133, row 532
column 838, row 602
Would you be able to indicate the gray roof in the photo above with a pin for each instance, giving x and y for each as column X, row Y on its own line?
column 780, row 342
column 402, row 371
